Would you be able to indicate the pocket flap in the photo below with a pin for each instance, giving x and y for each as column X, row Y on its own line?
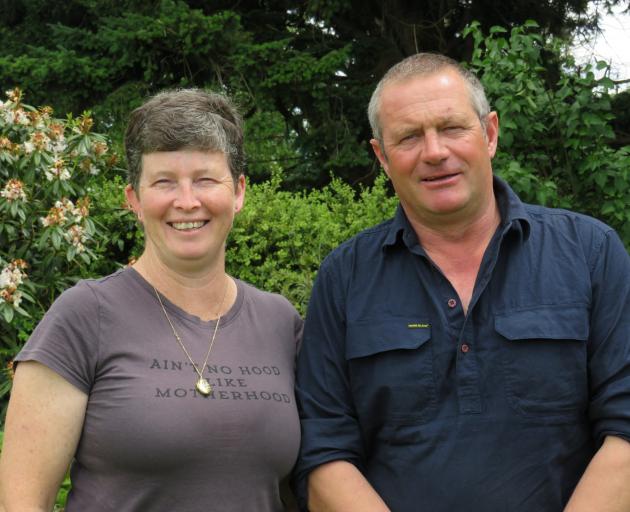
column 561, row 322
column 368, row 338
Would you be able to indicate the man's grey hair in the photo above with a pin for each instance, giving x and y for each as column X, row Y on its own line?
column 425, row 64
column 184, row 119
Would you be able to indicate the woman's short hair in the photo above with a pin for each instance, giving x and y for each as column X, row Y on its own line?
column 179, row 119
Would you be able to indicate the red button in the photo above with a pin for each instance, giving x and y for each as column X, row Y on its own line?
column 452, row 303
column 465, row 348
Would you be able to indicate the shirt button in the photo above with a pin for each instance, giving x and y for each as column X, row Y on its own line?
column 465, row 347
column 452, row 303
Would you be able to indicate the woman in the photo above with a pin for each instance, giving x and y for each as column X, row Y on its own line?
column 168, row 384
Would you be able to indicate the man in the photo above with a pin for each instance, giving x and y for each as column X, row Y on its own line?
column 472, row 353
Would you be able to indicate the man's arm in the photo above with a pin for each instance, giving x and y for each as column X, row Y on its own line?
column 42, row 429
column 340, row 487
column 331, row 432
column 604, row 487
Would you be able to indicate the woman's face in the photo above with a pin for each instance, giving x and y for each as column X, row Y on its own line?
column 186, row 201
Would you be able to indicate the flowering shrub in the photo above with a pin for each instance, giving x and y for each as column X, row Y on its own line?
column 11, row 277
column 47, row 238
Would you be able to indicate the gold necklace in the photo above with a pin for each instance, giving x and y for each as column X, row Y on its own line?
column 202, row 385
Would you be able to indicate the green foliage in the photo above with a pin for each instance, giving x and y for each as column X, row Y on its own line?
column 47, row 238
column 556, row 133
column 280, row 237
column 301, row 71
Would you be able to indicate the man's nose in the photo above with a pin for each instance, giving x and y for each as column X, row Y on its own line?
column 433, row 150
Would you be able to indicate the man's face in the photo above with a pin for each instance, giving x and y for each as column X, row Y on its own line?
column 435, row 150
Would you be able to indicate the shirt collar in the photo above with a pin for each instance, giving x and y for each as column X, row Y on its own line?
column 512, row 210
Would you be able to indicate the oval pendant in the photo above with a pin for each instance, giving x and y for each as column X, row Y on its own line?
column 203, row 386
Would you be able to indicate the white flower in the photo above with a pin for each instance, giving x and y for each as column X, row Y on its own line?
column 39, row 141
column 59, row 146
column 58, row 170
column 11, row 277
column 17, row 298
column 76, row 236
column 5, row 277
column 13, row 191
column 20, row 117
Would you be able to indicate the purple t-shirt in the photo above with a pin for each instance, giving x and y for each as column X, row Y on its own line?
column 150, row 441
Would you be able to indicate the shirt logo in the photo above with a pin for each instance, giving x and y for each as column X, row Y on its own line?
column 418, row 326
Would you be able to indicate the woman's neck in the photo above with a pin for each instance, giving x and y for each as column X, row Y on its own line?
column 206, row 294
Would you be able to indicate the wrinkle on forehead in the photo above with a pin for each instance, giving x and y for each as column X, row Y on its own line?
column 425, row 101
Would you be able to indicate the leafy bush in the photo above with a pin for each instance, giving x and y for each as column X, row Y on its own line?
column 280, row 238
column 47, row 237
column 556, row 131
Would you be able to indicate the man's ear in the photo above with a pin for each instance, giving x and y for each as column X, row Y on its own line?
column 492, row 133
column 379, row 151
column 239, row 193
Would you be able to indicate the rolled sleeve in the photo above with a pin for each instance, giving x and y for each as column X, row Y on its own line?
column 330, row 430
column 609, row 350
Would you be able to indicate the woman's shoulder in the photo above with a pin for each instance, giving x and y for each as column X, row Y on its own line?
column 271, row 311
column 87, row 295
column 269, row 301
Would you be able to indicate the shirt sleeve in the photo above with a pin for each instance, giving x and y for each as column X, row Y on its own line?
column 66, row 339
column 609, row 344
column 330, row 430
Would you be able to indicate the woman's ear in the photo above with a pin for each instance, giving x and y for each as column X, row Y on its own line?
column 133, row 201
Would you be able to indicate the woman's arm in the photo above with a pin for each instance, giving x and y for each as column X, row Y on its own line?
column 43, row 425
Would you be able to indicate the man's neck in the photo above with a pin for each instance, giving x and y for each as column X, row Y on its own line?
column 458, row 248
column 459, row 233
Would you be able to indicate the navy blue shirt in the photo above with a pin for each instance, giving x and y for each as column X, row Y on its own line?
column 497, row 410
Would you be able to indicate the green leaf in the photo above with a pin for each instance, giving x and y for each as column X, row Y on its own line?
column 7, row 313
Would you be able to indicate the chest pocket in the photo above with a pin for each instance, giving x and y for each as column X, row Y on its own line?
column 544, row 358
column 390, row 364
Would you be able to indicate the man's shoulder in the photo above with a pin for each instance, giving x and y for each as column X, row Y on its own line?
column 562, row 219
column 568, row 232
column 367, row 243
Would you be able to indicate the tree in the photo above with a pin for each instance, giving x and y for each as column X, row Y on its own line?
column 302, row 71
column 555, row 145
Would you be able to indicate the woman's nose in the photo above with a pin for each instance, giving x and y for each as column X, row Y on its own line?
column 186, row 197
